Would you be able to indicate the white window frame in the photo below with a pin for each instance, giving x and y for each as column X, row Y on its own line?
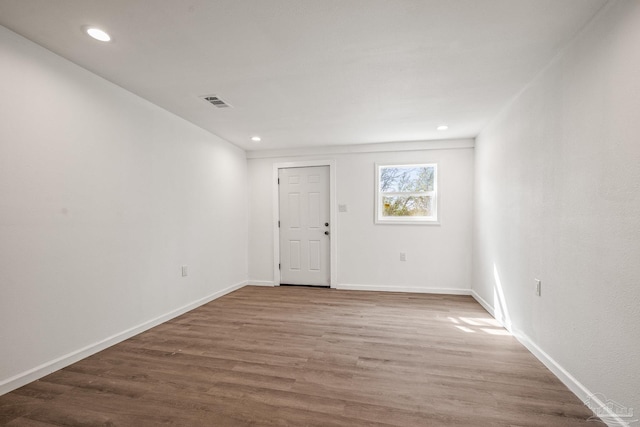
column 416, row 220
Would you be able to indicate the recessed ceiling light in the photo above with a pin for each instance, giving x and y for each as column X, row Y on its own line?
column 256, row 139
column 442, row 127
column 98, row 34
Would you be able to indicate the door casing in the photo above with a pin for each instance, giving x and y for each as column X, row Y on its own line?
column 333, row 241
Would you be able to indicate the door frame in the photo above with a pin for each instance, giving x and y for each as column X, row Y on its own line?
column 333, row 240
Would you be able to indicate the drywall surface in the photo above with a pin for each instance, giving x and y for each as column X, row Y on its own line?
column 104, row 197
column 557, row 198
column 438, row 257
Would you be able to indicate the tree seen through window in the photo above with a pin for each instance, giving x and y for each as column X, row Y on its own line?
column 407, row 191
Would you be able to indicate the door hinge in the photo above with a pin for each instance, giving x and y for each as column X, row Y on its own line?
column 278, row 224
column 278, row 181
column 278, row 266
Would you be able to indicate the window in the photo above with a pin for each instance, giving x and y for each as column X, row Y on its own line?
column 407, row 194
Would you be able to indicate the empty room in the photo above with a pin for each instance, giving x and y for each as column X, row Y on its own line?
column 320, row 212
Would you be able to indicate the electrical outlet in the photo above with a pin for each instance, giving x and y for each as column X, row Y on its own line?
column 538, row 287
column 185, row 271
column 403, row 256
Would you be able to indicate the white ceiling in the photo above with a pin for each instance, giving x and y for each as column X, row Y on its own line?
column 304, row 73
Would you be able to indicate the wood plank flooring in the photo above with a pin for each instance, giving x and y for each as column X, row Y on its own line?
column 294, row 356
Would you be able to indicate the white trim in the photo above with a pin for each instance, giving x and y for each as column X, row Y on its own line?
column 333, row 215
column 382, row 147
column 261, row 283
column 46, row 368
column 576, row 387
column 405, row 289
column 484, row 304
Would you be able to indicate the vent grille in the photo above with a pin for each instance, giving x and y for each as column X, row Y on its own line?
column 216, row 101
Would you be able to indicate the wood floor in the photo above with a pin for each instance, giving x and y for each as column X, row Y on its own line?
column 292, row 356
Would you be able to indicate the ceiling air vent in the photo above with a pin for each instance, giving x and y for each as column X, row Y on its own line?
column 216, row 102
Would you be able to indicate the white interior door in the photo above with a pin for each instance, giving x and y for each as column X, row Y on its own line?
column 304, row 225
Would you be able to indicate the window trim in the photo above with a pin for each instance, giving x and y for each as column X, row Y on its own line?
column 377, row 209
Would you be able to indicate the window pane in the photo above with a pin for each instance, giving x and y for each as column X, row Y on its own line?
column 394, row 179
column 406, row 206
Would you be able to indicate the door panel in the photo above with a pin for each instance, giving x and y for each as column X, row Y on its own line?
column 294, row 255
column 314, row 210
column 314, row 255
column 304, row 211
column 294, row 210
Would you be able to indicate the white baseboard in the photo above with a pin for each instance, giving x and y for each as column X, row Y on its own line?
column 410, row 289
column 576, row 387
column 40, row 371
column 484, row 304
column 261, row 283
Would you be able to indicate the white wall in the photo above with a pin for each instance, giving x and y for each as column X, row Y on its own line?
column 438, row 257
column 557, row 197
column 103, row 196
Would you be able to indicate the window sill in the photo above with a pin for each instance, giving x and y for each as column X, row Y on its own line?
column 406, row 222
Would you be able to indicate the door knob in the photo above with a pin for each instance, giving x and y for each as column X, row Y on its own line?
column 326, row 224
column 326, row 233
